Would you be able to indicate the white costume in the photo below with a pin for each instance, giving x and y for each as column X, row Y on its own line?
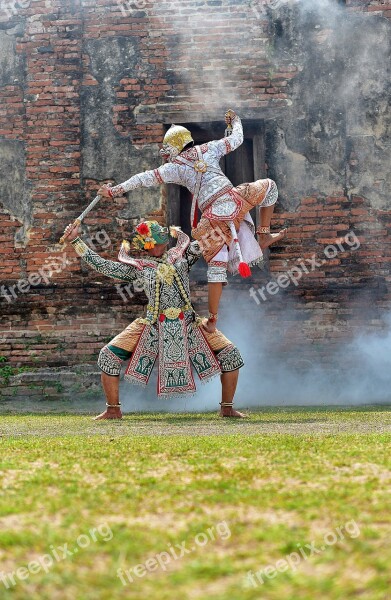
column 226, row 230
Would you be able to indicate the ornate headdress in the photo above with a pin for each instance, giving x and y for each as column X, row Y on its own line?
column 146, row 235
column 176, row 138
column 149, row 233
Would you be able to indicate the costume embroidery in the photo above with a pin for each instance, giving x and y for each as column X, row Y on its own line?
column 230, row 359
column 170, row 331
column 224, row 208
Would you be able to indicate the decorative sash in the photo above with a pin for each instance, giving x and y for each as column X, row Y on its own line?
column 175, row 376
column 202, row 355
column 201, row 167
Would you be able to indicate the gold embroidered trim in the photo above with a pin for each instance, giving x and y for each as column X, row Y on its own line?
column 80, row 247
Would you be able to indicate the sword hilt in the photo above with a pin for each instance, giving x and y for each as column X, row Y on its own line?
column 231, row 114
column 74, row 224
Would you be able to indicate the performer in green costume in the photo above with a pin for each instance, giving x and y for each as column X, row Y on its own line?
column 171, row 331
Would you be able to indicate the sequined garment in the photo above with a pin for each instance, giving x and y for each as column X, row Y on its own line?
column 170, row 331
column 167, row 276
column 214, row 183
column 222, row 204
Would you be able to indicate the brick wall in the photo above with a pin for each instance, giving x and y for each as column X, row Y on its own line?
column 87, row 90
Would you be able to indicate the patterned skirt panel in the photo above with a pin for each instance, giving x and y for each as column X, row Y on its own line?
column 120, row 349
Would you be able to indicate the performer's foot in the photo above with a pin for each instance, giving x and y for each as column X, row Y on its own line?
column 227, row 410
column 267, row 239
column 111, row 412
column 209, row 326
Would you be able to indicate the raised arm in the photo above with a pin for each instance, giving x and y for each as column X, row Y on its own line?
column 168, row 173
column 110, row 268
column 231, row 142
column 190, row 251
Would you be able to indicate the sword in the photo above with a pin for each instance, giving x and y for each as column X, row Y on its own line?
column 82, row 216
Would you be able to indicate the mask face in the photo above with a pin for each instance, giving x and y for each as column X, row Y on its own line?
column 168, row 152
column 159, row 234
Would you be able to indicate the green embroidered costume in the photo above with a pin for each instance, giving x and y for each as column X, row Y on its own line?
column 170, row 331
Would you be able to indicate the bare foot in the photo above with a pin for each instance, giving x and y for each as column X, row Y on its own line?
column 231, row 412
column 209, row 326
column 111, row 412
column 266, row 239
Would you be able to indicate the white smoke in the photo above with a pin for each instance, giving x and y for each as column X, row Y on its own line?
column 351, row 371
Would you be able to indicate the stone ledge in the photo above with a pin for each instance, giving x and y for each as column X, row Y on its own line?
column 53, row 384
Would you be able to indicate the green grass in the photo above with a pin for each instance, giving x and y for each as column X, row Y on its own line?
column 255, row 491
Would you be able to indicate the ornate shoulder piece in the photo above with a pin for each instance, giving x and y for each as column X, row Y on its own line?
column 126, row 258
column 182, row 244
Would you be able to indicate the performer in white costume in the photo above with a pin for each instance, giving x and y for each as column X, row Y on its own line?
column 170, row 333
column 226, row 230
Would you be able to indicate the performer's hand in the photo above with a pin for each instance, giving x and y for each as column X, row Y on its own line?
column 104, row 191
column 71, row 232
column 209, row 326
column 229, row 116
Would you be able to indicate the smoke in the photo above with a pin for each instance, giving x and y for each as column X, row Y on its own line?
column 342, row 373
column 278, row 372
column 332, row 112
column 209, row 61
column 220, row 55
column 363, row 65
column 284, row 364
column 219, row 50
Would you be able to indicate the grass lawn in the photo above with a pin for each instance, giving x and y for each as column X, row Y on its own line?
column 187, row 505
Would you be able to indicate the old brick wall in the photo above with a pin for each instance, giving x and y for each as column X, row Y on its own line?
column 87, row 89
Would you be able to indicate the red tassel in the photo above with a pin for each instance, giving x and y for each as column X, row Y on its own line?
column 244, row 270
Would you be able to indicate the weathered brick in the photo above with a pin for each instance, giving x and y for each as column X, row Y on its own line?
column 71, row 316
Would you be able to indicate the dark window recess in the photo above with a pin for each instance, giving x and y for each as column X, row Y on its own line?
column 278, row 28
